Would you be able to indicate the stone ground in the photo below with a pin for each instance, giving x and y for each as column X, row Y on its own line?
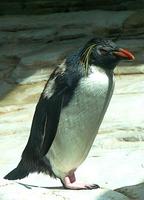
column 115, row 162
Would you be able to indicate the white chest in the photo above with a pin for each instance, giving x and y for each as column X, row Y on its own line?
column 89, row 99
column 80, row 121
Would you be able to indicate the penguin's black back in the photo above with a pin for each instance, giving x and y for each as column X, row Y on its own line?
column 48, row 110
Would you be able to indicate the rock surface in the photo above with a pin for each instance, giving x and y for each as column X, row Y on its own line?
column 31, row 46
column 15, row 191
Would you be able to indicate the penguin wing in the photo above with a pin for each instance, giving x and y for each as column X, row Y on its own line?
column 55, row 96
column 53, row 110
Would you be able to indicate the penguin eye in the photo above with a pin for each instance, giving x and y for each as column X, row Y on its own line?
column 103, row 51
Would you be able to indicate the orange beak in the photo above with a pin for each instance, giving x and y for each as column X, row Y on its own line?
column 125, row 54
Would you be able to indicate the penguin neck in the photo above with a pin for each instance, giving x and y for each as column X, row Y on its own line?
column 94, row 68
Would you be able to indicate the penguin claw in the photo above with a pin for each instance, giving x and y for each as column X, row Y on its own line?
column 77, row 186
column 93, row 186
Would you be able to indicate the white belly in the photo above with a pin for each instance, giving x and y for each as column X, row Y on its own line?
column 79, row 122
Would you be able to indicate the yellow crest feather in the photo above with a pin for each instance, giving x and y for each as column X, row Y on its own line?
column 85, row 58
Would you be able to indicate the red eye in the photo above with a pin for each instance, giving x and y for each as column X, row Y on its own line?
column 103, row 51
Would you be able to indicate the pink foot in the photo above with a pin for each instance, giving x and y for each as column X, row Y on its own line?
column 69, row 182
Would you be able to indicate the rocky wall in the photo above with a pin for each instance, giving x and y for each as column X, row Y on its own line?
column 30, row 46
column 31, row 7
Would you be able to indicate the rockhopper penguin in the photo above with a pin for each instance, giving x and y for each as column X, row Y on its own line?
column 69, row 113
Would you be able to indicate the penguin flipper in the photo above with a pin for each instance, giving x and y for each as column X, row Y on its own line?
column 52, row 120
column 64, row 89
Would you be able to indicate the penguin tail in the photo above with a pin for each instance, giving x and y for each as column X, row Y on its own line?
column 18, row 173
column 27, row 166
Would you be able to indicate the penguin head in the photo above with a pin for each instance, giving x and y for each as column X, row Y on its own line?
column 104, row 53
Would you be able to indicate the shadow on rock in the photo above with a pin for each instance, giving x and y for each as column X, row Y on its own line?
column 134, row 192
